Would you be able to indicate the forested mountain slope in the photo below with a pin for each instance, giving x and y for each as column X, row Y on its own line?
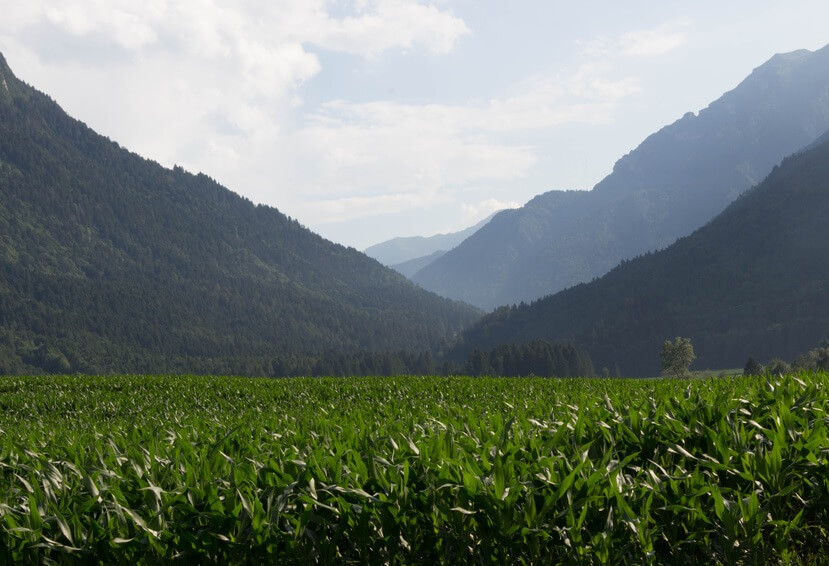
column 754, row 282
column 674, row 182
column 110, row 262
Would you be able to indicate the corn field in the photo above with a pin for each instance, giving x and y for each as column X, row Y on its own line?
column 411, row 470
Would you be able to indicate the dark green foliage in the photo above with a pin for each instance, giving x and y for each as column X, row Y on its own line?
column 677, row 356
column 534, row 358
column 753, row 367
column 675, row 181
column 109, row 262
column 154, row 469
column 778, row 367
column 754, row 279
column 816, row 360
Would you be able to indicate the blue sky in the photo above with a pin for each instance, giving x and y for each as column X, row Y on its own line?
column 372, row 119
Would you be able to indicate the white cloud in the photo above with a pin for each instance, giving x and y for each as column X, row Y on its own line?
column 266, row 43
column 642, row 43
column 336, row 210
column 591, row 83
column 215, row 86
column 115, row 19
column 361, row 150
column 652, row 42
column 210, row 27
column 473, row 212
column 203, row 83
column 586, row 95
column 383, row 24
column 350, row 153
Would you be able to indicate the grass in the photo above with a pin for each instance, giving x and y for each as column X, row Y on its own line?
column 705, row 373
column 154, row 469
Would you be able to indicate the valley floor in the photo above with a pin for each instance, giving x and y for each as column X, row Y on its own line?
column 414, row 470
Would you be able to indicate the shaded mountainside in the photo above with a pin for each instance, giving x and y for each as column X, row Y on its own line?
column 754, row 282
column 110, row 262
column 409, row 268
column 674, row 182
column 404, row 249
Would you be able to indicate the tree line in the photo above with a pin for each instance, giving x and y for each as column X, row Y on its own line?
column 816, row 359
column 538, row 357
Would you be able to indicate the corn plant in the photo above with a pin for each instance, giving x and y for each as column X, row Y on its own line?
column 414, row 470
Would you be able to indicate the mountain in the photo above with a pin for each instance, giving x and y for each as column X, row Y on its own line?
column 409, row 268
column 753, row 282
column 110, row 262
column 400, row 250
column 674, row 182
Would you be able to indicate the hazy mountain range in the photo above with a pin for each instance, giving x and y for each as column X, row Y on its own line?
column 412, row 266
column 753, row 282
column 404, row 249
column 675, row 181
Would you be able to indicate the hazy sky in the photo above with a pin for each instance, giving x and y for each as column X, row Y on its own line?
column 371, row 119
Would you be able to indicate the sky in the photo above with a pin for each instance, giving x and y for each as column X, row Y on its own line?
column 371, row 119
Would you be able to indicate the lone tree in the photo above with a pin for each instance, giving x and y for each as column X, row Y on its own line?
column 753, row 367
column 677, row 356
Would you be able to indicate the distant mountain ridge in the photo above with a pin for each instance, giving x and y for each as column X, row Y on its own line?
column 403, row 249
column 676, row 180
column 110, row 262
column 409, row 268
column 753, row 282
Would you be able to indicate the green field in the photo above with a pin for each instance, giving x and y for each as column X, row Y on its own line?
column 414, row 470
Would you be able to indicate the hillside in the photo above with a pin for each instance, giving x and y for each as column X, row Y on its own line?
column 404, row 249
column 674, row 182
column 754, row 282
column 412, row 266
column 110, row 262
